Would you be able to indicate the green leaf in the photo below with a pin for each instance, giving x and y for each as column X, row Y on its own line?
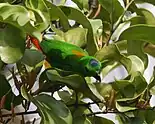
column 6, row 90
column 129, row 91
column 14, row 14
column 151, row 85
column 133, row 87
column 73, row 81
column 1, row 64
column 32, row 57
column 56, row 13
column 65, row 96
column 136, row 48
column 82, row 4
column 148, row 16
column 112, row 54
column 146, row 116
column 136, row 64
column 101, row 120
column 78, row 115
column 137, row 20
column 136, row 120
column 81, row 120
column 79, row 17
column 93, row 89
column 122, row 108
column 113, row 7
column 149, row 116
column 109, row 67
column 148, row 1
column 77, row 36
column 61, row 2
column 41, row 13
column 12, row 46
column 140, row 32
column 96, row 24
column 53, row 112
column 104, row 89
column 104, row 15
column 18, row 16
column 6, row 87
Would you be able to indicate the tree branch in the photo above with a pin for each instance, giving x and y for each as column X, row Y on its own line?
column 20, row 113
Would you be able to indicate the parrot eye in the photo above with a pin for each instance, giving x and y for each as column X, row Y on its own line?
column 94, row 63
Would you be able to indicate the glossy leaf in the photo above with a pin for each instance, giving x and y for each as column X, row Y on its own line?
column 32, row 57
column 148, row 16
column 1, row 64
column 41, row 13
column 77, row 36
column 15, row 14
column 104, row 15
column 61, row 2
column 101, row 120
column 133, row 87
column 53, row 111
column 109, row 67
column 112, row 53
column 104, row 89
column 136, row 48
column 56, row 13
column 111, row 6
column 82, row 4
column 148, row 1
column 19, row 17
column 137, row 64
column 65, row 96
column 130, row 90
column 78, row 115
column 124, row 108
column 151, row 85
column 140, row 32
column 73, row 81
column 79, row 17
column 81, row 120
column 6, row 90
column 146, row 116
column 96, row 24
column 11, row 47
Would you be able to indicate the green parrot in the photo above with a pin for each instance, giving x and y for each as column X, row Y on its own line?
column 69, row 57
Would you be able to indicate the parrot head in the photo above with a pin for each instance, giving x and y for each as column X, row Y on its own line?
column 91, row 67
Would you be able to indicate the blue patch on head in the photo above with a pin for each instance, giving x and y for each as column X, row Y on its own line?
column 94, row 62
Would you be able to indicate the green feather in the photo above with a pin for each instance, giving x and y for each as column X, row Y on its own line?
column 70, row 57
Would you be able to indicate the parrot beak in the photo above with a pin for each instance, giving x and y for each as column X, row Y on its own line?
column 97, row 77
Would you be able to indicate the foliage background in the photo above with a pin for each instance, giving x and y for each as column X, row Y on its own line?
column 128, row 89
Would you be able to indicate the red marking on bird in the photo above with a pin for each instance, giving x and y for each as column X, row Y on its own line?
column 35, row 42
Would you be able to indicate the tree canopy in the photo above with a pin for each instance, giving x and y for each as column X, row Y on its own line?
column 116, row 33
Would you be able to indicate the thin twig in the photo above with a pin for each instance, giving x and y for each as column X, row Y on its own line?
column 85, row 104
column 117, row 112
column 20, row 113
column 114, row 27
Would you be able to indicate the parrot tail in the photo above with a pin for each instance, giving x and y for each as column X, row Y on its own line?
column 35, row 42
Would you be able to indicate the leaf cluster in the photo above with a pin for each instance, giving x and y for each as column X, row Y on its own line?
column 117, row 34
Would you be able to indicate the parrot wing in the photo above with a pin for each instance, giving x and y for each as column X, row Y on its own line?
column 61, row 54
